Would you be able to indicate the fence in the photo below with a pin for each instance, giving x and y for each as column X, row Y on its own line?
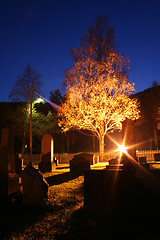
column 66, row 157
column 62, row 158
column 149, row 154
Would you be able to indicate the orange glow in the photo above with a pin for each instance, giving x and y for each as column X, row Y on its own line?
column 97, row 102
column 122, row 149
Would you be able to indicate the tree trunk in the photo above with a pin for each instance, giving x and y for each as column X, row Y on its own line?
column 101, row 147
column 25, row 124
column 68, row 141
column 94, row 143
column 24, row 133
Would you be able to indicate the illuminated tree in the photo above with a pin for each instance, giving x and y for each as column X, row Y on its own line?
column 97, row 87
column 42, row 122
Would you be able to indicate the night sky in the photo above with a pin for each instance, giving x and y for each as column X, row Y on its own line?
column 42, row 33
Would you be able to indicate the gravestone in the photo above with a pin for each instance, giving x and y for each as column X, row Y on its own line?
column 95, row 159
column 157, row 157
column 13, row 162
column 81, row 162
column 11, row 153
column 114, row 161
column 114, row 164
column 122, row 191
column 86, row 156
column 18, row 163
column 142, row 160
column 35, row 187
column 4, row 151
column 128, row 137
column 9, row 180
column 47, row 163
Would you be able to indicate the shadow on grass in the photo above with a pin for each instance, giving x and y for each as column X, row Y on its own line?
column 61, row 178
column 15, row 217
column 85, row 225
column 62, row 167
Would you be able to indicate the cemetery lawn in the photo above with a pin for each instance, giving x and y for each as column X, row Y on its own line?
column 63, row 216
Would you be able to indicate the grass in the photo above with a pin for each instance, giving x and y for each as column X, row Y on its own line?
column 64, row 217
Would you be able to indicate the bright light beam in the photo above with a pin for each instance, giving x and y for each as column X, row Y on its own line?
column 146, row 176
column 122, row 149
column 39, row 100
column 55, row 106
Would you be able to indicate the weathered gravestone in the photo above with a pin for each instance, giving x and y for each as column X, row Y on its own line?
column 81, row 162
column 157, row 157
column 7, row 150
column 35, row 187
column 142, row 160
column 47, row 163
column 9, row 180
column 95, row 159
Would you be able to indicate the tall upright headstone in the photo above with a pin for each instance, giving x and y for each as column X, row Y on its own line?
column 128, row 136
column 4, row 151
column 35, row 187
column 9, row 180
column 4, row 164
column 47, row 164
column 11, row 152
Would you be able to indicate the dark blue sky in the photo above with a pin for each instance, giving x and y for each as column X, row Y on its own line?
column 42, row 33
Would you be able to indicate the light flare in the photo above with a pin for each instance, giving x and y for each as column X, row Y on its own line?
column 149, row 180
column 55, row 106
column 122, row 149
column 39, row 100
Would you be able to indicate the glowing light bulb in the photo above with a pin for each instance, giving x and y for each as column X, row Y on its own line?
column 122, row 149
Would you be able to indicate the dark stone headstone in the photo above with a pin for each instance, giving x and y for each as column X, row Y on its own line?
column 47, row 163
column 86, row 156
column 157, row 157
column 11, row 153
column 18, row 163
column 4, row 151
column 142, row 160
column 81, row 162
column 7, row 155
column 35, row 187
column 131, row 190
column 114, row 161
column 9, row 180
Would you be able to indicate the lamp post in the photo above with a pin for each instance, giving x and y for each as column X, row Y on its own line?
column 31, row 122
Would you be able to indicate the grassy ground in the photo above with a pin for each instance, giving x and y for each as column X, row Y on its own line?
column 64, row 217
